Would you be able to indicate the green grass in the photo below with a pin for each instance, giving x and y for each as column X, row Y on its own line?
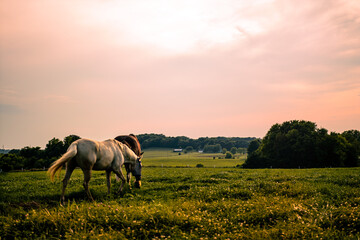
column 186, row 203
column 157, row 157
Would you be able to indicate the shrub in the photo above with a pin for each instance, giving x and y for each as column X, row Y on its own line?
column 228, row 155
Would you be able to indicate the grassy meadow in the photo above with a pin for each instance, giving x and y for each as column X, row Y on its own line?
column 157, row 157
column 179, row 201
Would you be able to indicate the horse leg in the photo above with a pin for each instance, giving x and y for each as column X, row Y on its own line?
column 121, row 176
column 69, row 169
column 108, row 180
column 128, row 178
column 128, row 175
column 127, row 167
column 87, row 177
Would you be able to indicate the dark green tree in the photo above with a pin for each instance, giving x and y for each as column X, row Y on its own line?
column 212, row 148
column 11, row 161
column 69, row 140
column 296, row 144
column 233, row 150
column 242, row 150
column 30, row 155
column 338, row 152
column 253, row 146
column 160, row 140
column 54, row 148
column 29, row 152
column 353, row 137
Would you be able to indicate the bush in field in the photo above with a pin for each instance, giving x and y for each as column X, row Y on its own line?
column 296, row 144
column 228, row 155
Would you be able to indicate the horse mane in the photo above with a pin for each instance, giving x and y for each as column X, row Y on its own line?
column 132, row 142
column 127, row 144
column 136, row 140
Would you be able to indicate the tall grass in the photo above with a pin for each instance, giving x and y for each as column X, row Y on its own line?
column 186, row 203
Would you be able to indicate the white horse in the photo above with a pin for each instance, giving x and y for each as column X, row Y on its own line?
column 89, row 155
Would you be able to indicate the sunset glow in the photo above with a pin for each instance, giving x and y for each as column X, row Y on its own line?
column 99, row 69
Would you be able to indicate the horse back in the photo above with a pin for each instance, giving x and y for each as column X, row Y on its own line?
column 96, row 155
column 87, row 152
column 109, row 155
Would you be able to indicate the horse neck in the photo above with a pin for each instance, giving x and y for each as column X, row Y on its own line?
column 129, row 153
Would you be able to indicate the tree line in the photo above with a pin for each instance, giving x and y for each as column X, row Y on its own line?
column 37, row 158
column 291, row 144
column 301, row 144
column 216, row 144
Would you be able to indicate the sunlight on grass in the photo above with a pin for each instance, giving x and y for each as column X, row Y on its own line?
column 185, row 203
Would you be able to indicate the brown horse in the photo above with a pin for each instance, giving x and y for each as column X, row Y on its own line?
column 131, row 141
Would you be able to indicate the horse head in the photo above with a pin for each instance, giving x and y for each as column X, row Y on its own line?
column 135, row 162
column 137, row 171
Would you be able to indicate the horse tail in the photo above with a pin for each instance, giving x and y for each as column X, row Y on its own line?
column 58, row 164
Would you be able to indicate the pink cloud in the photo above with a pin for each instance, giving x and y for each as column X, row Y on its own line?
column 286, row 62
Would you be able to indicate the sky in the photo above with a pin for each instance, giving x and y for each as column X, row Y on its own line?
column 102, row 68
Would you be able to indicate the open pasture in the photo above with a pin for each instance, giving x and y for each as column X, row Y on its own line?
column 186, row 203
column 157, row 157
column 180, row 201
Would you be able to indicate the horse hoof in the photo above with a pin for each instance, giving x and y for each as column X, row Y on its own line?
column 137, row 184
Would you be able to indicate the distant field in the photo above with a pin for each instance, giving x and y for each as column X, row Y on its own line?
column 160, row 157
column 186, row 203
